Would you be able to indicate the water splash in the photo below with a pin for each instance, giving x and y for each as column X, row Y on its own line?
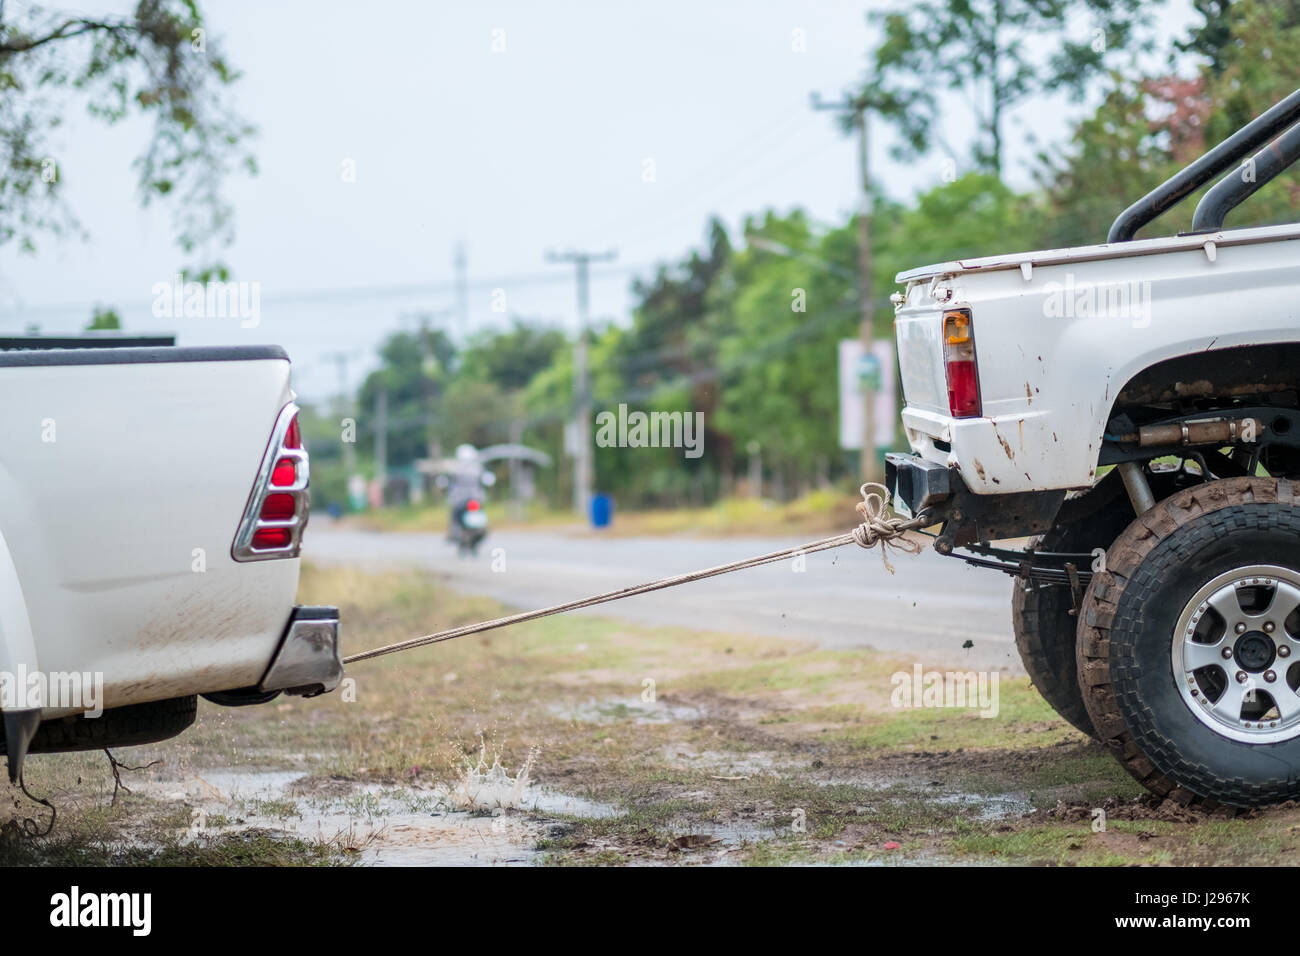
column 483, row 787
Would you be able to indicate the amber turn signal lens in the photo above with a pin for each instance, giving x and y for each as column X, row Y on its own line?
column 956, row 328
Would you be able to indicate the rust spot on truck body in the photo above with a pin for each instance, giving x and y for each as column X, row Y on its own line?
column 1011, row 455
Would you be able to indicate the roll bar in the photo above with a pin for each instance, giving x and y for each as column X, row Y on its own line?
column 1236, row 187
column 1253, row 135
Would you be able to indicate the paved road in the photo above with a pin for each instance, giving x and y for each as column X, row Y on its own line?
column 844, row 598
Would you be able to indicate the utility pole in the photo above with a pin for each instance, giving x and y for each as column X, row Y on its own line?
column 583, row 476
column 426, row 389
column 381, row 441
column 428, row 366
column 341, row 360
column 460, row 262
column 755, row 468
column 857, row 109
column 516, row 471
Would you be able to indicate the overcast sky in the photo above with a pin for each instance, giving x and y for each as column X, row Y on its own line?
column 544, row 145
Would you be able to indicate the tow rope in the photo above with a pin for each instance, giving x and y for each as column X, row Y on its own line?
column 877, row 527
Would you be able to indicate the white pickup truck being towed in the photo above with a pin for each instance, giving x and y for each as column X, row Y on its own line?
column 152, row 504
column 1136, row 405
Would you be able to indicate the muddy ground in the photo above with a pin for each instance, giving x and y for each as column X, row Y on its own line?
column 589, row 741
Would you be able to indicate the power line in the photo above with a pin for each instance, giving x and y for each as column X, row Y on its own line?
column 720, row 165
column 653, row 228
column 360, row 293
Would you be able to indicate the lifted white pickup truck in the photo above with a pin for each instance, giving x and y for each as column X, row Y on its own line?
column 152, row 504
column 1136, row 404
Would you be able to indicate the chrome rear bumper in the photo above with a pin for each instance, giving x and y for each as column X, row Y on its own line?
column 308, row 661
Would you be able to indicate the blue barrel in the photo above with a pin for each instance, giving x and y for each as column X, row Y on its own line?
column 602, row 511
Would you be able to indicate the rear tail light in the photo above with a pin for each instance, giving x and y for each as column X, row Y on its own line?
column 959, row 363
column 472, row 505
column 285, row 473
column 277, row 508
column 269, row 538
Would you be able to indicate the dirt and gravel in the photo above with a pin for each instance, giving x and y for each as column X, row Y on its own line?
column 602, row 741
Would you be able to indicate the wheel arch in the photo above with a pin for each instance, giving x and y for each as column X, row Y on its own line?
column 1259, row 376
column 1225, row 373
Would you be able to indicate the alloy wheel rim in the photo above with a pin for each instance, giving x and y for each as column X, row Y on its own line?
column 1236, row 654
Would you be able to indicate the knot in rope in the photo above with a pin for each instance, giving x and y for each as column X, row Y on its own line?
column 879, row 527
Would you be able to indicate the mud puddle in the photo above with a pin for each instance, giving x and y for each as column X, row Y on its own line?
column 627, row 709
column 491, row 821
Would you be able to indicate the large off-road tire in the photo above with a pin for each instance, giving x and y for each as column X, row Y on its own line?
column 1211, row 571
column 1045, row 634
column 116, row 727
column 1041, row 614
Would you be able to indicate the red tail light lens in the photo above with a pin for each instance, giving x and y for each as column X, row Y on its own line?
column 293, row 437
column 285, row 473
column 959, row 362
column 278, row 507
column 963, row 390
column 472, row 506
column 266, row 538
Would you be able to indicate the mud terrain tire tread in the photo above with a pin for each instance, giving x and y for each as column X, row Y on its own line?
column 1124, row 587
column 1045, row 650
column 1045, row 631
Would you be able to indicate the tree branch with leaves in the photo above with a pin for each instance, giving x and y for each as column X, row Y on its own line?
column 997, row 53
column 160, row 63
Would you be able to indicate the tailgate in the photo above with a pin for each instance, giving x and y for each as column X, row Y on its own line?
column 124, row 474
column 919, row 329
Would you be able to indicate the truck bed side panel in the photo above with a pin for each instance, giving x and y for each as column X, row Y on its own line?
column 121, row 486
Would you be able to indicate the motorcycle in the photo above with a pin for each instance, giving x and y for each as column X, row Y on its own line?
column 469, row 527
column 466, row 481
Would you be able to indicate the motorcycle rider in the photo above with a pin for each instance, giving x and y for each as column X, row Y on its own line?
column 464, row 482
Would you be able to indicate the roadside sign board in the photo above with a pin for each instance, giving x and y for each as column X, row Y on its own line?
column 861, row 372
